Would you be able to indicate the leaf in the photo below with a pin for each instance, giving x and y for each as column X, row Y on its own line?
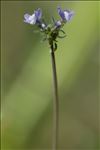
column 53, row 20
column 62, row 31
column 61, row 36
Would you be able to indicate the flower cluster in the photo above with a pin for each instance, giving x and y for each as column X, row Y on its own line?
column 50, row 31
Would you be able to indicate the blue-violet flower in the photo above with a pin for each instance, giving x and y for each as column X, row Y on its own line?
column 66, row 15
column 34, row 18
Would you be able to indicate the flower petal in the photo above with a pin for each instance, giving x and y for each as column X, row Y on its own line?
column 31, row 19
column 38, row 14
column 26, row 16
column 68, row 15
column 61, row 13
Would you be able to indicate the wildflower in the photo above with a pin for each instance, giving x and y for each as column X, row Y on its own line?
column 50, row 31
column 66, row 15
column 34, row 18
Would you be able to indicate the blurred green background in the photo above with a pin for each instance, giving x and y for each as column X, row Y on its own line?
column 27, row 97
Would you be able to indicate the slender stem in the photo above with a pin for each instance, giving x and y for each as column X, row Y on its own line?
column 56, row 101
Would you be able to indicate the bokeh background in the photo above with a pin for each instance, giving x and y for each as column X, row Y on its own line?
column 27, row 99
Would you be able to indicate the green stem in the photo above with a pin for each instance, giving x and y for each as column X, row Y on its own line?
column 56, row 101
